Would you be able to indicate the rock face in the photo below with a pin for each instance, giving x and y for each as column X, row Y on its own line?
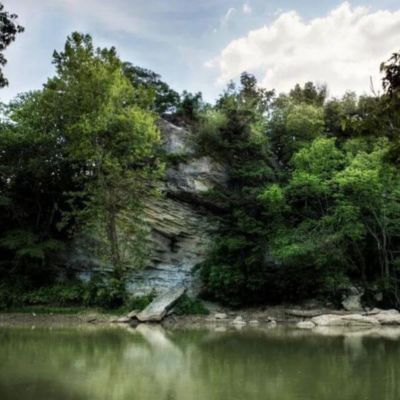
column 178, row 238
column 159, row 307
column 180, row 222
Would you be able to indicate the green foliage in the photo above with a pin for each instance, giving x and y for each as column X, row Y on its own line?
column 273, row 197
column 114, row 141
column 189, row 107
column 330, row 208
column 103, row 293
column 338, row 204
column 189, row 306
column 233, row 134
column 26, row 244
column 141, row 302
column 154, row 93
column 391, row 69
column 309, row 94
column 293, row 125
column 76, row 159
column 9, row 298
column 59, row 294
column 8, row 31
column 106, row 293
column 312, row 200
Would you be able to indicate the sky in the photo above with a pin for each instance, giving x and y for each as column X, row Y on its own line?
column 200, row 45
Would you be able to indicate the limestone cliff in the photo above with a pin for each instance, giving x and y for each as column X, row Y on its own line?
column 180, row 223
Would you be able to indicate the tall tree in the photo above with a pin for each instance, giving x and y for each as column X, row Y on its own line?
column 83, row 148
column 111, row 140
column 8, row 31
column 234, row 134
column 160, row 97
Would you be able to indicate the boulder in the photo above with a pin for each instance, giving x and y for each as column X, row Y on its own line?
column 159, row 307
column 254, row 322
column 388, row 317
column 239, row 321
column 305, row 325
column 220, row 316
column 352, row 300
column 344, row 320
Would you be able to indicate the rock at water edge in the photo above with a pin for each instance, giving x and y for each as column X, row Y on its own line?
column 239, row 321
column 388, row 317
column 305, row 325
column 158, row 308
column 344, row 320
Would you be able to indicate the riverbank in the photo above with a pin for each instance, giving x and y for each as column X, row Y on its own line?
column 92, row 320
column 260, row 316
column 220, row 315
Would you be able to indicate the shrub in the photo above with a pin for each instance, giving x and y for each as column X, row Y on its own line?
column 105, row 293
column 60, row 294
column 9, row 298
column 190, row 306
column 141, row 302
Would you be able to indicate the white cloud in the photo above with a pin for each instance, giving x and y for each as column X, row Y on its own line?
column 343, row 49
column 246, row 8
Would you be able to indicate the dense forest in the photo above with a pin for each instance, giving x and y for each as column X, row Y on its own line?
column 312, row 204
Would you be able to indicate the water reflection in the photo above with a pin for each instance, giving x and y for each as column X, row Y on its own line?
column 147, row 363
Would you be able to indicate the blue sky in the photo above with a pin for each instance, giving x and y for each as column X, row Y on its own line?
column 201, row 44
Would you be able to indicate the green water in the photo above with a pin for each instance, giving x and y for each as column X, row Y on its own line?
column 115, row 363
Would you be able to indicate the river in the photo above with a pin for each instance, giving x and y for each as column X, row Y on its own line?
column 150, row 363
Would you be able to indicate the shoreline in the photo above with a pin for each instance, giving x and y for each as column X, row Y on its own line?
column 269, row 316
column 92, row 322
column 263, row 315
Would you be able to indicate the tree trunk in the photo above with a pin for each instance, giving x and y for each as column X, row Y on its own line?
column 113, row 241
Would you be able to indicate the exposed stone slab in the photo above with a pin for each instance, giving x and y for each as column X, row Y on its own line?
column 315, row 313
column 159, row 307
column 133, row 314
column 304, row 313
column 388, row 317
column 344, row 320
